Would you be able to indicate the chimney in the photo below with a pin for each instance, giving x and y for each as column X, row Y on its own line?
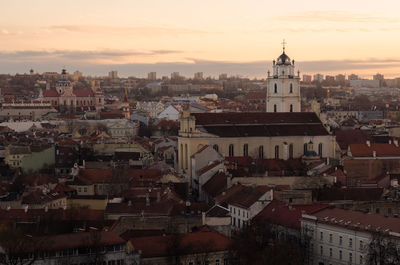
column 129, row 203
column 374, row 154
column 46, row 209
column 396, row 142
column 203, row 218
column 390, row 141
column 368, row 143
column 26, row 208
column 158, row 196
column 147, row 200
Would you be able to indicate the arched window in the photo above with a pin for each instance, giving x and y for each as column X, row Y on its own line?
column 276, row 151
column 275, row 88
column 320, row 149
column 291, row 108
column 261, row 151
column 245, row 150
column 291, row 88
column 216, row 148
column 305, row 148
column 291, row 151
column 275, row 108
column 231, row 150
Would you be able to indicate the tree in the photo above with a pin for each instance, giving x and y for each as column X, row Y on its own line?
column 265, row 244
column 382, row 250
column 17, row 248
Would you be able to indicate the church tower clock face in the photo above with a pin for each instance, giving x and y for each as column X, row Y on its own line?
column 283, row 87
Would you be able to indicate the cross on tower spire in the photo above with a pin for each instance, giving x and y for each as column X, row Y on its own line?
column 283, row 44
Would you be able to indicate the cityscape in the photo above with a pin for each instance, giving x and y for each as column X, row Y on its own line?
column 125, row 142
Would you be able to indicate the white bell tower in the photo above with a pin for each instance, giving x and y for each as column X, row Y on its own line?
column 283, row 87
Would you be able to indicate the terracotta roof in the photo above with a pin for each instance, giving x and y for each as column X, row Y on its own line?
column 216, row 184
column 218, row 211
column 358, row 220
column 346, row 137
column 210, row 166
column 382, row 150
column 38, row 197
column 82, row 239
column 83, row 92
column 248, row 196
column 280, row 213
column 205, row 240
column 50, row 93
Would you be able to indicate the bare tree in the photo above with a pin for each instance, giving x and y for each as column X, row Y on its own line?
column 382, row 250
column 17, row 248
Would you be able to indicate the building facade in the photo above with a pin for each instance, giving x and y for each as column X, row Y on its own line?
column 283, row 87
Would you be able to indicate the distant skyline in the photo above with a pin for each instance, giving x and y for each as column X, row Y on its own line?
column 233, row 37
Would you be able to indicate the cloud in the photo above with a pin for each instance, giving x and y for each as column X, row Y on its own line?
column 140, row 31
column 53, row 61
column 78, row 55
column 337, row 16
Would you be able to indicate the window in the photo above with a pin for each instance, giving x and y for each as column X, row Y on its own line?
column 305, row 148
column 321, row 250
column 377, row 210
column 340, row 255
column 290, row 151
column 350, row 242
column 361, row 244
column 245, row 150
column 275, row 88
column 320, row 149
column 330, row 238
column 276, row 151
column 361, row 259
column 275, row 108
column 85, row 189
column 225, row 261
column 215, row 146
column 217, row 262
column 321, row 236
column 291, row 108
column 350, row 257
column 330, row 252
column 340, row 240
column 291, row 88
column 261, row 151
column 231, row 150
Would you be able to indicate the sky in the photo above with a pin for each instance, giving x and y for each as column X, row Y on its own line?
column 211, row 36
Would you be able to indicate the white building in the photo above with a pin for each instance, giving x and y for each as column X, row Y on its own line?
column 169, row 113
column 283, row 93
column 338, row 236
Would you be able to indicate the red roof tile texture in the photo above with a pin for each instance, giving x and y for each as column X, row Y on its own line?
column 382, row 150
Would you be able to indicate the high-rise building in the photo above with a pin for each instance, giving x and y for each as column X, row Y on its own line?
column 175, row 75
column 307, row 78
column 341, row 79
column 152, row 76
column 198, row 76
column 113, row 75
column 353, row 77
column 283, row 87
column 223, row 76
column 318, row 78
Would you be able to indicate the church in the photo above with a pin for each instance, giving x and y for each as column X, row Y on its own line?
column 282, row 132
column 65, row 98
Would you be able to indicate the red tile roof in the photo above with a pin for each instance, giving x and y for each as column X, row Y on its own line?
column 216, row 184
column 382, row 150
column 206, row 240
column 210, row 166
column 346, row 137
column 357, row 220
column 83, row 92
column 280, row 213
column 50, row 93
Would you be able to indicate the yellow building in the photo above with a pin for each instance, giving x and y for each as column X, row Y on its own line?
column 258, row 135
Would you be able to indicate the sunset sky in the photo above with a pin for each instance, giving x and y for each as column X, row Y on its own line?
column 212, row 36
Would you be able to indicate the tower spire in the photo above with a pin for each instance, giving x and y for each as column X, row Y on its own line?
column 283, row 45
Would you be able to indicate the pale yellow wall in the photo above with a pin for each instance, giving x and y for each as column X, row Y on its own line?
column 269, row 143
column 87, row 203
